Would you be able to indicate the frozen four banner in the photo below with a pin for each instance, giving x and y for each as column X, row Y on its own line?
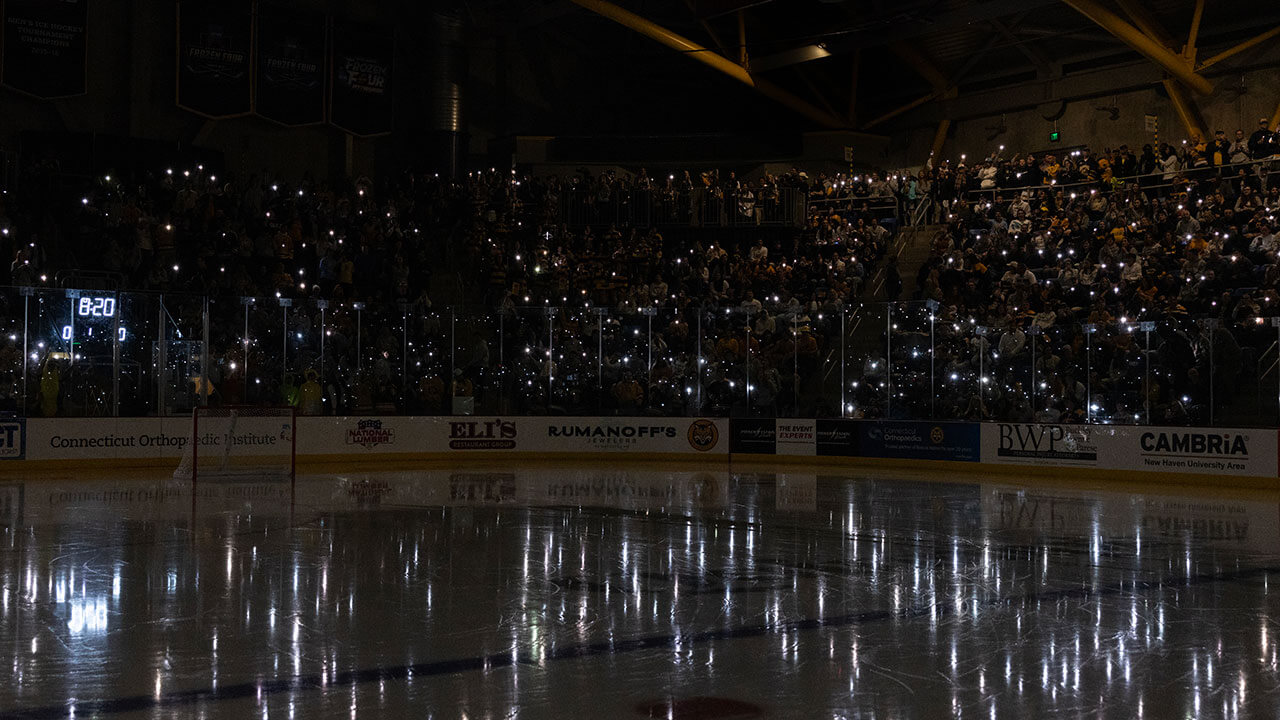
column 214, row 43
column 290, row 67
column 45, row 47
column 360, row 98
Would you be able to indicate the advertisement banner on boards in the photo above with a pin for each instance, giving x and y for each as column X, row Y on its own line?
column 13, row 438
column 1222, row 451
column 107, row 438
column 214, row 47
column 1035, row 444
column 290, row 68
column 640, row 434
column 906, row 440
column 360, row 96
column 795, row 437
column 1130, row 447
column 837, row 438
column 371, row 435
column 45, row 47
column 753, row 436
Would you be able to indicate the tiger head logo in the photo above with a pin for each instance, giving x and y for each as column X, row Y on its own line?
column 703, row 435
column 936, row 435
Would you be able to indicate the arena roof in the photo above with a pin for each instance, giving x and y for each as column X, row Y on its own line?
column 855, row 64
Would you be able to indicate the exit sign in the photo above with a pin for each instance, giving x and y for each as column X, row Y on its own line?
column 1055, row 136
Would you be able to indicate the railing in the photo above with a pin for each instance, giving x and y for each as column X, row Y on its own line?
column 66, row 353
column 880, row 207
column 697, row 207
column 1150, row 182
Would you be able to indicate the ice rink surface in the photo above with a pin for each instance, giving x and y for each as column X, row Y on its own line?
column 578, row 592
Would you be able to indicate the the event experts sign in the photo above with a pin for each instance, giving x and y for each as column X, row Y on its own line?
column 1225, row 451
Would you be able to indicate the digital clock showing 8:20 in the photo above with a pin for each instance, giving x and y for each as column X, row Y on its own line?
column 98, row 307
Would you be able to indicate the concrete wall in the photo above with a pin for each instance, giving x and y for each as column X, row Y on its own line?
column 131, row 93
column 1240, row 98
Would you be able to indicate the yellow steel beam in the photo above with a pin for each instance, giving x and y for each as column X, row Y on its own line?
column 1146, row 22
column 807, row 109
column 899, row 110
column 921, row 64
column 1136, row 39
column 1189, row 52
column 853, row 86
column 716, row 60
column 939, row 139
column 1187, row 111
column 672, row 40
column 1232, row 52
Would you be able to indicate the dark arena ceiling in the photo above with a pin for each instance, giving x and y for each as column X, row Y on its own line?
column 853, row 64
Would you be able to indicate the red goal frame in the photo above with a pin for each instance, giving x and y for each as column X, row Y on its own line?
column 247, row 410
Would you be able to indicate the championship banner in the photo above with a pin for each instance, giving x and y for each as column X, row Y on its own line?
column 290, row 66
column 214, row 63
column 360, row 97
column 45, row 47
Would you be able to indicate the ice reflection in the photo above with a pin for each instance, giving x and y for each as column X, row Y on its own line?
column 1003, row 600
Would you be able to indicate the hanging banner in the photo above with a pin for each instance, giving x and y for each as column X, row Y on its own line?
column 290, row 66
column 45, row 47
column 361, row 93
column 214, row 64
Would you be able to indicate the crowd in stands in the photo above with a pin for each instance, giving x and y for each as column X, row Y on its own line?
column 1031, row 251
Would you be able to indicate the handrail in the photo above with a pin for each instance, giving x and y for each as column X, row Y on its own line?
column 1270, row 162
column 921, row 211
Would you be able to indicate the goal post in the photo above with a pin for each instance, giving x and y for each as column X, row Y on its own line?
column 240, row 441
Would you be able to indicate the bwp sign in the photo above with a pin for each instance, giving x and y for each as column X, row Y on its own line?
column 361, row 101
column 45, row 47
column 290, row 68
column 1032, row 444
column 13, row 439
column 213, row 57
column 921, row 441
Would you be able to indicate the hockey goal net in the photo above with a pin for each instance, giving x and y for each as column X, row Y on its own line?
column 239, row 441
